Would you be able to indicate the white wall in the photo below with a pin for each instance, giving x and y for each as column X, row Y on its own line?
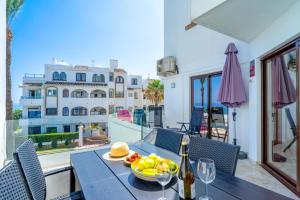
column 2, row 78
column 201, row 51
column 197, row 51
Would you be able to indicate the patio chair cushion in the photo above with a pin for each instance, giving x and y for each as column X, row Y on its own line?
column 31, row 167
column 168, row 139
column 225, row 155
column 12, row 185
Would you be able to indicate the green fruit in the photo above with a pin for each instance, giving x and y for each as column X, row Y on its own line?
column 141, row 165
column 149, row 163
column 172, row 165
column 150, row 172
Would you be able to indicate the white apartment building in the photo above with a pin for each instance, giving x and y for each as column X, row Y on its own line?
column 68, row 95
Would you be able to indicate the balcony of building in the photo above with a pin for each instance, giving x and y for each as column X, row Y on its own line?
column 34, row 78
column 31, row 101
column 257, row 16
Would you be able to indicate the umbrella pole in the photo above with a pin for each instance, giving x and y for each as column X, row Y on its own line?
column 234, row 126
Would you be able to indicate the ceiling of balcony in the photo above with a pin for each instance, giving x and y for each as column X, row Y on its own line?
column 243, row 19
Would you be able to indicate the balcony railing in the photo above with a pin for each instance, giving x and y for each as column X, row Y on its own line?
column 31, row 97
column 34, row 76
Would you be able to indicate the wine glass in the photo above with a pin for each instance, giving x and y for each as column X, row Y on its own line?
column 163, row 177
column 207, row 173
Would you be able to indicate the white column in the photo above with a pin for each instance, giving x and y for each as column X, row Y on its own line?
column 2, row 79
column 81, row 136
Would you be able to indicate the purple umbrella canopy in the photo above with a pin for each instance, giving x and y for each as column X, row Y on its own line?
column 232, row 92
column 283, row 90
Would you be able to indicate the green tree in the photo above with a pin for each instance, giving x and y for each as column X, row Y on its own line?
column 12, row 8
column 17, row 114
column 155, row 92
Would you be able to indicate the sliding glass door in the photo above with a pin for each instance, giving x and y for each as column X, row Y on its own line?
column 281, row 115
column 204, row 94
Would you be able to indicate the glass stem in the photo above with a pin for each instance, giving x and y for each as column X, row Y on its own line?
column 206, row 189
column 163, row 189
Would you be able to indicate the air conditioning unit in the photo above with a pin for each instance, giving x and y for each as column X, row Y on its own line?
column 167, row 66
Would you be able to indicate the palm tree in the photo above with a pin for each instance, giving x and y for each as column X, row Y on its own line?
column 12, row 8
column 155, row 92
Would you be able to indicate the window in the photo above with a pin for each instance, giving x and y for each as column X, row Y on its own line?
column 67, row 128
column 81, row 77
column 51, row 111
column 129, row 94
column 63, row 76
column 65, row 93
column 79, row 111
column 134, row 81
column 51, row 92
column 119, row 79
column 52, row 129
column 98, row 111
column 65, row 111
column 55, row 76
column 34, row 113
column 111, row 76
column 98, row 94
column 102, row 78
column 136, row 96
column 111, row 109
column 79, row 94
column 111, row 93
column 96, row 78
column 34, row 130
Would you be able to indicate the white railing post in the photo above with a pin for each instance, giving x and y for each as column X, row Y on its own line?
column 81, row 136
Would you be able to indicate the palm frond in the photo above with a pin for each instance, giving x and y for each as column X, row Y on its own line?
column 12, row 8
column 155, row 92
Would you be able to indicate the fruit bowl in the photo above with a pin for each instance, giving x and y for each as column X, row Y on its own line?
column 148, row 174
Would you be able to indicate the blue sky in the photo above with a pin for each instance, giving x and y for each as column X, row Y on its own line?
column 79, row 31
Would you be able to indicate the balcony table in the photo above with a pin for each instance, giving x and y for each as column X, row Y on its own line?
column 103, row 179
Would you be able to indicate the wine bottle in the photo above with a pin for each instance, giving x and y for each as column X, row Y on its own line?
column 186, row 178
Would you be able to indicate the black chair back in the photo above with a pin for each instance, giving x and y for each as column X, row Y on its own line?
column 196, row 120
column 168, row 139
column 30, row 166
column 12, row 184
column 224, row 155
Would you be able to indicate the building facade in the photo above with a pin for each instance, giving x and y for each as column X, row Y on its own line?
column 66, row 96
column 197, row 33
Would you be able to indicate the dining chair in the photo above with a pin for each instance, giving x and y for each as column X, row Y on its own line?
column 224, row 155
column 30, row 167
column 194, row 124
column 12, row 185
column 168, row 139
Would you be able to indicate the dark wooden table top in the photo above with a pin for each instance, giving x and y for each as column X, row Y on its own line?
column 102, row 179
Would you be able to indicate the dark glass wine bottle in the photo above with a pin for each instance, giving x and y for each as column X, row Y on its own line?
column 186, row 178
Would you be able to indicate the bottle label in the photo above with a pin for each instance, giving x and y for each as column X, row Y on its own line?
column 181, row 189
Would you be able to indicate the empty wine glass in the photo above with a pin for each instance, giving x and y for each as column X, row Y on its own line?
column 163, row 177
column 207, row 173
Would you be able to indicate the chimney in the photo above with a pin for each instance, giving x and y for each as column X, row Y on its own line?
column 113, row 64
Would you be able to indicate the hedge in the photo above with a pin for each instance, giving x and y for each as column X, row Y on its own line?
column 53, row 138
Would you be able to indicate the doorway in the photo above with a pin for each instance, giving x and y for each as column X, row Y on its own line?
column 280, row 94
column 204, row 94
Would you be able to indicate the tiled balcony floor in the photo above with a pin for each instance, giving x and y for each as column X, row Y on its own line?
column 254, row 173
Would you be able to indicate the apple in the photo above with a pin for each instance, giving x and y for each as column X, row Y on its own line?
column 149, row 163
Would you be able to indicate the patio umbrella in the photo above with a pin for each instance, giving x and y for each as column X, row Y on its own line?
column 283, row 90
column 232, row 92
